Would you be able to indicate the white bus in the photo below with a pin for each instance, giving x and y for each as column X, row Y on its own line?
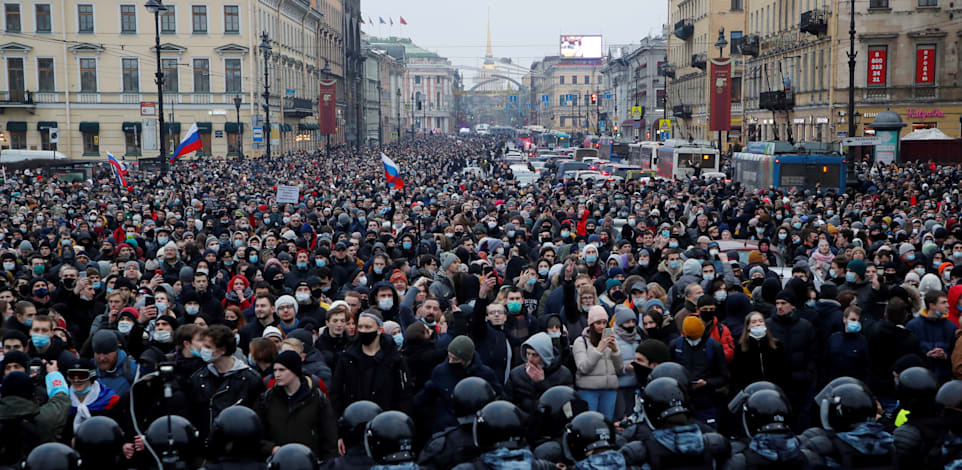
column 482, row 129
column 679, row 159
column 643, row 153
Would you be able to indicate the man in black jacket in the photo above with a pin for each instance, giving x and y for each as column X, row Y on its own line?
column 264, row 314
column 797, row 336
column 542, row 370
column 371, row 369
column 223, row 382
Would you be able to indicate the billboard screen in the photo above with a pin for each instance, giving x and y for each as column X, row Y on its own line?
column 581, row 47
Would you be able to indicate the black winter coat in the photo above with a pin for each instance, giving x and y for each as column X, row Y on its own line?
column 304, row 418
column 210, row 393
column 422, row 356
column 887, row 342
column 524, row 392
column 797, row 336
column 760, row 362
column 389, row 386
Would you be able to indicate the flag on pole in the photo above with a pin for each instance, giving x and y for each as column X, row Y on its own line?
column 119, row 171
column 402, row 21
column 391, row 20
column 362, row 20
column 382, row 20
column 392, row 173
column 190, row 143
column 369, row 20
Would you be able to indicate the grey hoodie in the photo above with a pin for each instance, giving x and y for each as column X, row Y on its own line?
column 541, row 343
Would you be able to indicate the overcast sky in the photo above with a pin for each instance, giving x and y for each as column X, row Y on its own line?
column 523, row 30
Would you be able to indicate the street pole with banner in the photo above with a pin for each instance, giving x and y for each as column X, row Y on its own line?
column 53, row 136
column 327, row 109
column 721, row 94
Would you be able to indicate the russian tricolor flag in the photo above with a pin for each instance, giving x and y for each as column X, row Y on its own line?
column 392, row 173
column 190, row 143
column 119, row 171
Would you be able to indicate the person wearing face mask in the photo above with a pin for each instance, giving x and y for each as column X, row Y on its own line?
column 89, row 397
column 628, row 336
column 43, row 343
column 388, row 302
column 371, row 368
column 462, row 362
column 223, row 382
column 239, row 293
column 798, row 337
column 758, row 355
column 847, row 350
column 307, row 305
column 704, row 358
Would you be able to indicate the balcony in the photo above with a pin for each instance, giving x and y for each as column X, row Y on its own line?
column 202, row 98
column 684, row 29
column 17, row 99
column 776, row 101
column 749, row 45
column 699, row 61
column 814, row 22
column 298, row 107
column 681, row 111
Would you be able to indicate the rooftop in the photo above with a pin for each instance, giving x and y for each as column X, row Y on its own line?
column 410, row 49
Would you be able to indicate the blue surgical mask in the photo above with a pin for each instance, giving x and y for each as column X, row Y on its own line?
column 83, row 392
column 207, row 354
column 810, row 303
column 252, row 258
column 192, row 309
column 406, row 245
column 797, row 225
column 720, row 296
column 565, row 233
column 514, row 306
column 554, row 334
column 782, row 236
column 853, row 326
column 238, row 243
column 591, row 258
column 28, row 322
column 910, row 257
column 672, row 244
column 674, row 264
column 532, row 281
column 162, row 241
column 832, row 273
column 398, row 339
column 758, row 332
column 96, row 285
column 301, row 265
column 161, row 307
column 850, row 277
column 665, row 233
column 378, row 269
column 543, row 271
column 320, row 262
column 40, row 341
column 957, row 254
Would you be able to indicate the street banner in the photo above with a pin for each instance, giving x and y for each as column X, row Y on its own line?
column 327, row 104
column 721, row 94
column 287, row 194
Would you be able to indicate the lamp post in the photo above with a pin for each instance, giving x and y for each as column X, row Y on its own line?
column 240, row 130
column 265, row 48
column 326, row 71
column 399, row 114
column 720, row 44
column 155, row 7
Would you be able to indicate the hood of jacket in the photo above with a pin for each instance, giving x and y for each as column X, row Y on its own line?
column 541, row 343
column 397, row 299
column 235, row 368
column 15, row 407
column 691, row 267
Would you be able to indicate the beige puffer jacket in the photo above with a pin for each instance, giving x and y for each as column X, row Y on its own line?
column 596, row 370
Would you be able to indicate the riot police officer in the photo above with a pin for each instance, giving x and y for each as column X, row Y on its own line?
column 350, row 428
column 446, row 448
column 590, row 440
column 770, row 444
column 949, row 399
column 235, row 440
column 389, row 441
column 557, row 406
column 175, row 441
column 99, row 440
column 293, row 456
column 921, row 431
column 680, row 442
column 849, row 436
column 52, row 456
column 499, row 431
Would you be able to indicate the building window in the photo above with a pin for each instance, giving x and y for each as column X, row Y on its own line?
column 91, row 143
column 42, row 17
column 878, row 3
column 168, row 20
column 437, row 80
column 15, row 82
column 12, row 15
column 131, row 75
column 132, row 141
column 198, row 15
column 561, row 100
column 88, row 75
column 587, row 79
column 45, row 141
column 128, row 19
column 574, row 79
column 201, row 76
column 738, row 4
column 928, row 3
column 231, row 19
column 169, row 68
column 417, row 79
column 18, row 139
column 562, row 80
column 232, row 69
column 85, row 18
column 45, row 76
column 736, row 89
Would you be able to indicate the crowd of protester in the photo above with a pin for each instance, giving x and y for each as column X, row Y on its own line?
column 466, row 320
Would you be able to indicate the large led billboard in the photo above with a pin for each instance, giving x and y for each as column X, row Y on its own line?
column 580, row 47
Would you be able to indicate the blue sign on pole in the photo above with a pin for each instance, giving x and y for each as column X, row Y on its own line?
column 514, row 98
column 545, row 104
column 544, row 97
column 607, row 95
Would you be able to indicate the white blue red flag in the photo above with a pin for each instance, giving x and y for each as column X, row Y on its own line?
column 120, row 172
column 392, row 173
column 190, row 143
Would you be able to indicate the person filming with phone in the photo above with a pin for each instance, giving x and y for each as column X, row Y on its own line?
column 598, row 361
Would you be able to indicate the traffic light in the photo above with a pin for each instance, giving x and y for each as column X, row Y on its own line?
column 594, row 98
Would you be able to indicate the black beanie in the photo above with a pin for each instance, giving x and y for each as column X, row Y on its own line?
column 15, row 357
column 828, row 291
column 17, row 384
column 105, row 342
column 291, row 360
column 787, row 295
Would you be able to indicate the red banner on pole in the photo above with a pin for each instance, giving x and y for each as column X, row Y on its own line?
column 925, row 64
column 721, row 94
column 876, row 66
column 327, row 107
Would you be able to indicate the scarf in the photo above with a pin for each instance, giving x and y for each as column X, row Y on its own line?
column 83, row 411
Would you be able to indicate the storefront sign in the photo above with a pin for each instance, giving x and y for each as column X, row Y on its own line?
column 798, row 121
column 148, row 108
column 821, row 120
column 922, row 114
column 876, row 66
column 925, row 64
column 886, row 151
